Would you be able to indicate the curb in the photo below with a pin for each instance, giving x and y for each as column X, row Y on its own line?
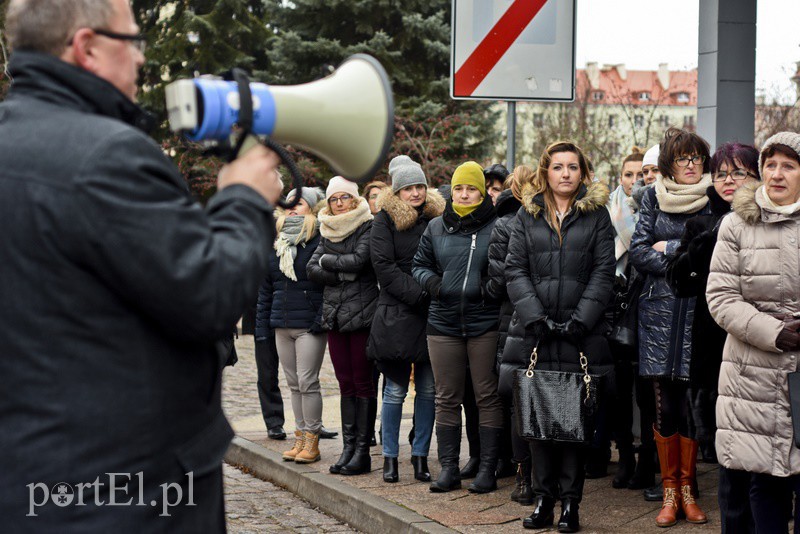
column 359, row 509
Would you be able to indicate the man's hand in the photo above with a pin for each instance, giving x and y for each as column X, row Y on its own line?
column 789, row 337
column 257, row 168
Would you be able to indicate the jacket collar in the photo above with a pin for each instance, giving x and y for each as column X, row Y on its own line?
column 589, row 199
column 507, row 203
column 483, row 215
column 404, row 216
column 47, row 78
column 719, row 206
column 746, row 206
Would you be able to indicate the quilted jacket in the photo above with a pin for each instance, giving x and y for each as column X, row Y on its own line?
column 755, row 274
column 665, row 322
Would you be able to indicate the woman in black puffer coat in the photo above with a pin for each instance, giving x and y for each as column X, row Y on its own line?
column 560, row 272
column 342, row 263
column 397, row 338
column 507, row 205
column 451, row 264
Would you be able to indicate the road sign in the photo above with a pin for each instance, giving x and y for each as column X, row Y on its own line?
column 513, row 50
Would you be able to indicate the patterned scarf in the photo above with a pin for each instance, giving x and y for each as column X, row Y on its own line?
column 624, row 220
column 290, row 236
column 682, row 198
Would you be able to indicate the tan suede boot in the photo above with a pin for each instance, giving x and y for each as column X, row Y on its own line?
column 688, row 472
column 299, row 443
column 669, row 455
column 310, row 452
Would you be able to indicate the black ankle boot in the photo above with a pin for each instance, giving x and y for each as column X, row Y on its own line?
column 505, row 468
column 523, row 493
column 568, row 522
column 597, row 462
column 471, row 468
column 390, row 470
column 421, row 471
column 645, row 474
column 542, row 515
column 625, row 468
column 486, row 481
column 348, row 410
column 361, row 462
column 654, row 493
column 449, row 445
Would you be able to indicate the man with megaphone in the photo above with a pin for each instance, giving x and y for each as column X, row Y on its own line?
column 116, row 286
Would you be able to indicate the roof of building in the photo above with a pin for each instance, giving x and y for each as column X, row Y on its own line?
column 614, row 84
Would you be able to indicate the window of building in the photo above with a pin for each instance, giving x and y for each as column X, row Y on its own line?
column 663, row 121
column 683, row 97
column 638, row 121
column 688, row 121
column 597, row 95
column 613, row 148
column 538, row 120
column 644, row 95
column 612, row 121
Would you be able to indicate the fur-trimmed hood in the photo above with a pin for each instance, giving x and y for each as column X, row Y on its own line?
column 404, row 216
column 746, row 205
column 590, row 198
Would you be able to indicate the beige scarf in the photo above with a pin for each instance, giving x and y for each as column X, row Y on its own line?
column 682, row 198
column 764, row 202
column 337, row 228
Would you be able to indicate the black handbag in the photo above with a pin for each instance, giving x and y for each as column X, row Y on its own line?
column 555, row 405
column 624, row 326
column 794, row 403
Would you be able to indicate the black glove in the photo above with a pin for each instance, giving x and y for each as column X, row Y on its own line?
column 789, row 337
column 575, row 332
column 553, row 328
column 434, row 286
column 539, row 330
column 316, row 328
column 326, row 261
column 701, row 248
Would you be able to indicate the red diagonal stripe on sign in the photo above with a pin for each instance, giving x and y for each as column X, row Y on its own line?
column 495, row 45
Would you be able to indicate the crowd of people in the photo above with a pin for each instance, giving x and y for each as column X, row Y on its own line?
column 454, row 288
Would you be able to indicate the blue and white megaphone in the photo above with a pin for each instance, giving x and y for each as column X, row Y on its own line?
column 347, row 118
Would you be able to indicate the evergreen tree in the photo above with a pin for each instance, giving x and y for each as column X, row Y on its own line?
column 411, row 39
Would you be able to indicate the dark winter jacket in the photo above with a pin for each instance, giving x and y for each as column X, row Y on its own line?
column 343, row 265
column 507, row 207
column 116, row 286
column 665, row 322
column 572, row 280
column 451, row 264
column 285, row 303
column 398, row 329
column 687, row 274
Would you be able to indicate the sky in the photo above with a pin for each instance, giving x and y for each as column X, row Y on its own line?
column 643, row 33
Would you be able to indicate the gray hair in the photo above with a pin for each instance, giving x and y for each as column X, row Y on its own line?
column 47, row 25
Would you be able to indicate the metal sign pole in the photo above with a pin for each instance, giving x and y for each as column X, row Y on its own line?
column 511, row 134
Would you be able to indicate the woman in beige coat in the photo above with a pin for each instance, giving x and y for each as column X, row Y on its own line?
column 754, row 294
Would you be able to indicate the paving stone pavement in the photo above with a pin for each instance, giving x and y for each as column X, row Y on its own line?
column 254, row 506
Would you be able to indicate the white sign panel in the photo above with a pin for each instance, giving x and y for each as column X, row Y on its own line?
column 513, row 50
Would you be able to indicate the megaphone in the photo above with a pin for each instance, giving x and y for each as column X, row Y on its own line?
column 347, row 118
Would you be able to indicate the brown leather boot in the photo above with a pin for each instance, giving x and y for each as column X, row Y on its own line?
column 310, row 452
column 299, row 442
column 669, row 456
column 688, row 472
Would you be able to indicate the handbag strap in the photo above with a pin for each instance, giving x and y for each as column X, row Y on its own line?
column 587, row 378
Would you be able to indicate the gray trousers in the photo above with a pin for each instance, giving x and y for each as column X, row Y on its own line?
column 301, row 354
column 449, row 356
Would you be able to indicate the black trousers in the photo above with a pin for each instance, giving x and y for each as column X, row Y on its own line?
column 629, row 383
column 771, row 502
column 559, row 470
column 269, row 394
column 734, row 502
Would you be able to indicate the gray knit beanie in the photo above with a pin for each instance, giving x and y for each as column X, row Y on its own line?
column 404, row 172
column 790, row 139
column 312, row 195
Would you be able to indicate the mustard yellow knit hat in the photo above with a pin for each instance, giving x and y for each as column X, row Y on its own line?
column 470, row 173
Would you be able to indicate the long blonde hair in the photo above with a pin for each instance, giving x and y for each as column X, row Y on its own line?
column 540, row 184
column 522, row 176
column 310, row 226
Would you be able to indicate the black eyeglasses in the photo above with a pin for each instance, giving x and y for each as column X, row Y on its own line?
column 737, row 174
column 685, row 161
column 138, row 41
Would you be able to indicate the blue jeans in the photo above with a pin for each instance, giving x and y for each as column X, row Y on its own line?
column 424, row 412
